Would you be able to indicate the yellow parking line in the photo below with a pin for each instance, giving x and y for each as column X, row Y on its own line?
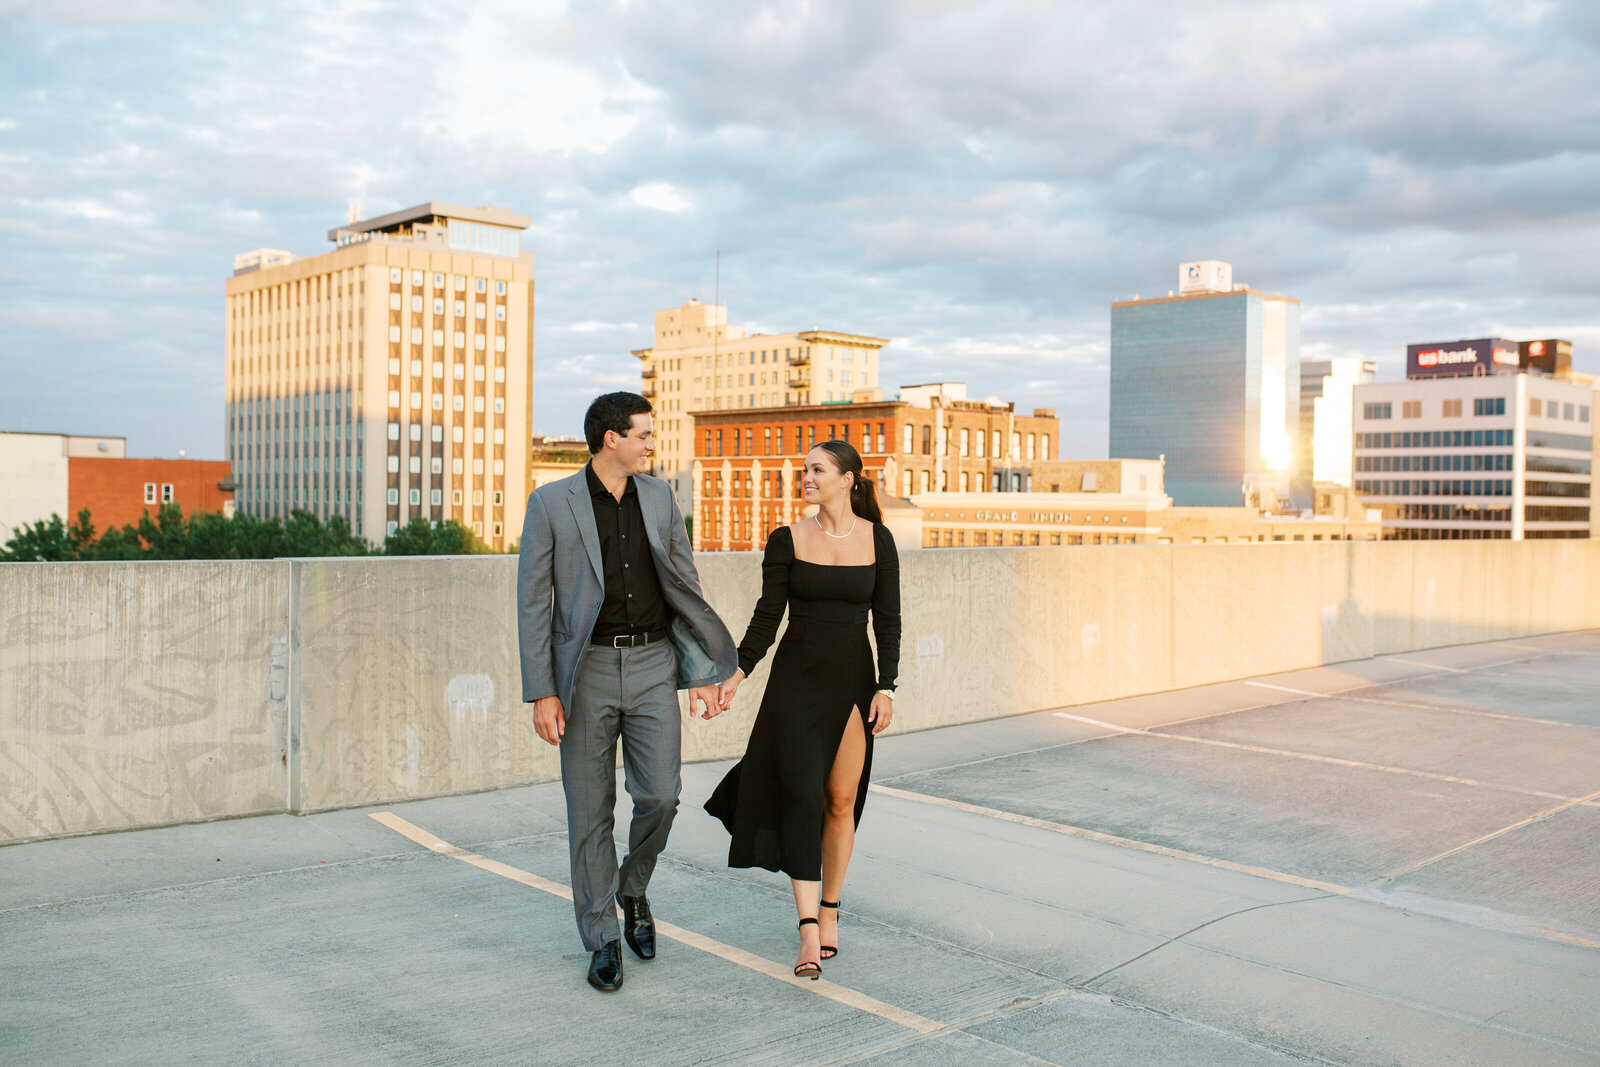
column 1559, row 936
column 1109, row 839
column 1437, row 667
column 837, row 993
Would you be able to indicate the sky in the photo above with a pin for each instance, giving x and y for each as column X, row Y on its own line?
column 975, row 181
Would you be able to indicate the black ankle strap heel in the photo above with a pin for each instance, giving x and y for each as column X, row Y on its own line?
column 808, row 969
column 830, row 951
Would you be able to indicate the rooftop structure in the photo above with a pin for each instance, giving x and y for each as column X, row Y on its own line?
column 1277, row 811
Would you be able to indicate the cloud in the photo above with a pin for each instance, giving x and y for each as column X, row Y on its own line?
column 976, row 181
column 660, row 196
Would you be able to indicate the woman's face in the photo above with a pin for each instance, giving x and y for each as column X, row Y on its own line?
column 824, row 482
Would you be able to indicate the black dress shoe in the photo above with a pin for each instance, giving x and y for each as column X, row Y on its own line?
column 605, row 969
column 638, row 926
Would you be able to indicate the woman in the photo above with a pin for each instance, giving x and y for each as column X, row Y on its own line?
column 793, row 803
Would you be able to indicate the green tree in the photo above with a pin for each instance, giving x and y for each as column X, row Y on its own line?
column 254, row 538
column 419, row 537
column 166, row 535
column 81, row 532
column 116, row 544
column 45, row 541
column 211, row 536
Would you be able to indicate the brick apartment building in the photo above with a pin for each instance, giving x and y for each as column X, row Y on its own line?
column 747, row 462
column 44, row 474
column 118, row 491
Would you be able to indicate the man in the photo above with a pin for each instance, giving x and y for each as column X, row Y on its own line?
column 611, row 623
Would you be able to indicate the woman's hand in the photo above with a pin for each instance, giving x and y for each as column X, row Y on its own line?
column 882, row 713
column 728, row 688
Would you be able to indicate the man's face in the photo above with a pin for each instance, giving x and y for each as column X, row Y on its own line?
column 635, row 449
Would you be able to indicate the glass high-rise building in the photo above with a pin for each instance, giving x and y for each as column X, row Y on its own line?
column 1208, row 377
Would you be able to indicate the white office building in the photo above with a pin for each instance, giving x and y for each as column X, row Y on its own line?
column 1470, row 457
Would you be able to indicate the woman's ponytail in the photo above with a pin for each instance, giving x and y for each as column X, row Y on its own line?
column 864, row 499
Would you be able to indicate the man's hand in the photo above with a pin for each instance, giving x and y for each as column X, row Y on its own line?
column 707, row 695
column 549, row 719
column 726, row 690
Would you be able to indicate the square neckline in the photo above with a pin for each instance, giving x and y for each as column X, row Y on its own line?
column 854, row 566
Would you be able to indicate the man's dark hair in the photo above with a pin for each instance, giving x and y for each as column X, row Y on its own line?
column 614, row 412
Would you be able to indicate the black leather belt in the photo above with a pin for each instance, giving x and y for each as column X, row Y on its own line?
column 630, row 640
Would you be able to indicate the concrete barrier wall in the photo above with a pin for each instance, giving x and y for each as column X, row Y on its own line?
column 139, row 694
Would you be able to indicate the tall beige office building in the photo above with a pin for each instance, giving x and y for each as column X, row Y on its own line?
column 389, row 378
column 700, row 363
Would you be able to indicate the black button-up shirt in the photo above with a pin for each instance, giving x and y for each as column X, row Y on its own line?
column 633, row 603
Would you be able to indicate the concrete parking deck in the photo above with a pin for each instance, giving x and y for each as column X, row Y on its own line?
column 1390, row 861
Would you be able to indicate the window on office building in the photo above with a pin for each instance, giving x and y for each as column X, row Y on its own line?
column 1489, row 405
column 1377, row 411
column 1411, row 409
column 1451, row 409
column 166, row 492
column 149, row 492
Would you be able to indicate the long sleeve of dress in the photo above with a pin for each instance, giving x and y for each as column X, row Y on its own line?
column 886, row 608
column 763, row 628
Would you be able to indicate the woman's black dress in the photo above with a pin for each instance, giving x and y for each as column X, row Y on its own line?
column 772, row 800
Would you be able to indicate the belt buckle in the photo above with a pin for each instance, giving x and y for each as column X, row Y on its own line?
column 616, row 642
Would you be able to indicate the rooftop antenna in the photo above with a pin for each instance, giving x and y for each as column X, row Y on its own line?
column 353, row 213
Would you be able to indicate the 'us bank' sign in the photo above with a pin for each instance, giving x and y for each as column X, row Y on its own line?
column 1460, row 357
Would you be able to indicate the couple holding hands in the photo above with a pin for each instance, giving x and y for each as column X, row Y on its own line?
column 612, row 623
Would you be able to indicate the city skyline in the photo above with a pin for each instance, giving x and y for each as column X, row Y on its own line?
column 976, row 182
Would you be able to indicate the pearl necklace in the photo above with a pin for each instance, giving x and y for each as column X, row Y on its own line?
column 853, row 520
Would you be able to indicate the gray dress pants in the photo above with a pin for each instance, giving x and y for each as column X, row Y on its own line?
column 631, row 693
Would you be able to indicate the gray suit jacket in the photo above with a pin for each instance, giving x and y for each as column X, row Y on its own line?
column 561, row 586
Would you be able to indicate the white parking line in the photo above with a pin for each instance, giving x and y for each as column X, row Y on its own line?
column 1109, row 839
column 1334, row 760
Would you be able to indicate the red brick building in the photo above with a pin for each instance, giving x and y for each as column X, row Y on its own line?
column 747, row 461
column 118, row 491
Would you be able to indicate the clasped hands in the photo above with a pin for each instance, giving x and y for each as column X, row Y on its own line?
column 715, row 699
column 550, row 718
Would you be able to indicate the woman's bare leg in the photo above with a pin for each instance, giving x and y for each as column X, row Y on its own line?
column 839, row 820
